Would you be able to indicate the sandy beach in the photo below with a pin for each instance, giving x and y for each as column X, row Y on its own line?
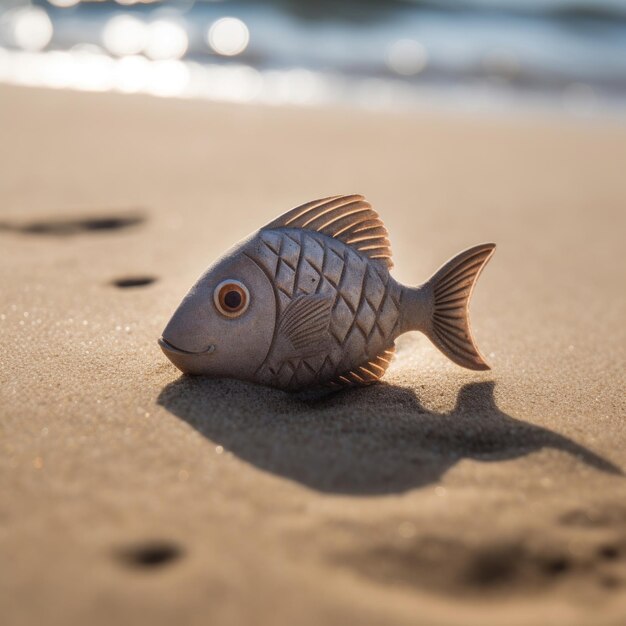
column 132, row 495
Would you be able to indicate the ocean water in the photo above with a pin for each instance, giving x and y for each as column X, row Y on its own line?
column 561, row 54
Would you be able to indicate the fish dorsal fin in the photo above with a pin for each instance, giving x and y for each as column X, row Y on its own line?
column 368, row 373
column 305, row 323
column 348, row 218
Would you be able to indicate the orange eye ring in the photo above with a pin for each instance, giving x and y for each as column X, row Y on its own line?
column 231, row 298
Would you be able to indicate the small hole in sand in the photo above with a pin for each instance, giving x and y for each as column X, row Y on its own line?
column 610, row 582
column 556, row 566
column 608, row 552
column 493, row 567
column 150, row 555
column 133, row 281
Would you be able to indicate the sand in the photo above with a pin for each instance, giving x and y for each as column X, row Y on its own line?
column 443, row 496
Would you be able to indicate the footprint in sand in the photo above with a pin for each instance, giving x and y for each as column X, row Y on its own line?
column 130, row 282
column 149, row 554
column 69, row 226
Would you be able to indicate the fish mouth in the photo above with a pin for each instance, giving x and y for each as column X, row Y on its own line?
column 166, row 345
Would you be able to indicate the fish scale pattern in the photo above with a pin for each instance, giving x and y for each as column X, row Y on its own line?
column 364, row 319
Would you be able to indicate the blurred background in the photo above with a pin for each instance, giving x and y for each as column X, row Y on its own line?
column 560, row 54
column 444, row 496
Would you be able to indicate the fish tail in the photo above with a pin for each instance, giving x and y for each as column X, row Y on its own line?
column 449, row 291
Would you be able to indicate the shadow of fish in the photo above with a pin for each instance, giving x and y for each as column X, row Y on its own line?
column 308, row 300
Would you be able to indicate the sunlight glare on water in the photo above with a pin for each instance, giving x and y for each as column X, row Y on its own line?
column 470, row 57
column 407, row 57
column 32, row 28
column 64, row 4
column 167, row 78
column 124, row 34
column 131, row 73
column 228, row 36
column 166, row 40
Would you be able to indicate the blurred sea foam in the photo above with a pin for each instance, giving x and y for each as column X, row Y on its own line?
column 561, row 54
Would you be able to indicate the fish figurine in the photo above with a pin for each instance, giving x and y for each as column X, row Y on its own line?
column 308, row 301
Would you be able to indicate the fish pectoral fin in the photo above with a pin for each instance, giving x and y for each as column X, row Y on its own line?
column 304, row 325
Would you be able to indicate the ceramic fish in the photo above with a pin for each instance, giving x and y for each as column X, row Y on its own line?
column 308, row 301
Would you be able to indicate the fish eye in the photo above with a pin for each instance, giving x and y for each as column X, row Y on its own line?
column 231, row 298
